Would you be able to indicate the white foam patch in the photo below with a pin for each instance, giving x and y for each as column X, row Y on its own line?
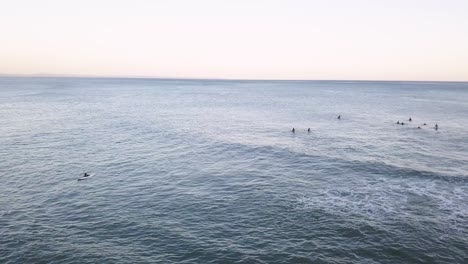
column 439, row 203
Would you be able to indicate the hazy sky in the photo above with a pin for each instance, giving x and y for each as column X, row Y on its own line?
column 253, row 39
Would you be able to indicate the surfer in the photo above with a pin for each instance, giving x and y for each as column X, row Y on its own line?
column 436, row 126
column 410, row 119
column 419, row 127
column 339, row 117
column 293, row 130
column 424, row 124
column 86, row 174
column 308, row 130
column 398, row 122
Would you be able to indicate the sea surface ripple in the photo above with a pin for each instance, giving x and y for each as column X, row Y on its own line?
column 197, row 171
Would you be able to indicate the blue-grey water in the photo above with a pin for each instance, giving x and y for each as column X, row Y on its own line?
column 193, row 171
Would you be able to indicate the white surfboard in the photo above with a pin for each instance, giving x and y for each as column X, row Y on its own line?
column 82, row 178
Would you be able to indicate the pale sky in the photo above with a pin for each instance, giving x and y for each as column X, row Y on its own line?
column 246, row 39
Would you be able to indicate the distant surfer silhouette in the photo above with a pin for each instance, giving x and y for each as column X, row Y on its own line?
column 339, row 117
column 436, row 126
column 410, row 119
column 293, row 130
column 308, row 130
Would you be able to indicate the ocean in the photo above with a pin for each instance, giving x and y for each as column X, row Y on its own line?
column 208, row 171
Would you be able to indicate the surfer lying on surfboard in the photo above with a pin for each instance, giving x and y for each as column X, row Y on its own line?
column 85, row 176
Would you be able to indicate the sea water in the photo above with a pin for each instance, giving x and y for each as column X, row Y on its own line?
column 208, row 171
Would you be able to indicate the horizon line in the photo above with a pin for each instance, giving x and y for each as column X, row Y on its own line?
column 46, row 75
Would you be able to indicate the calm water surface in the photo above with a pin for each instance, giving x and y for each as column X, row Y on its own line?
column 192, row 171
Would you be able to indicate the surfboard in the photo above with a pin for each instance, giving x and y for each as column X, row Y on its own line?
column 82, row 178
